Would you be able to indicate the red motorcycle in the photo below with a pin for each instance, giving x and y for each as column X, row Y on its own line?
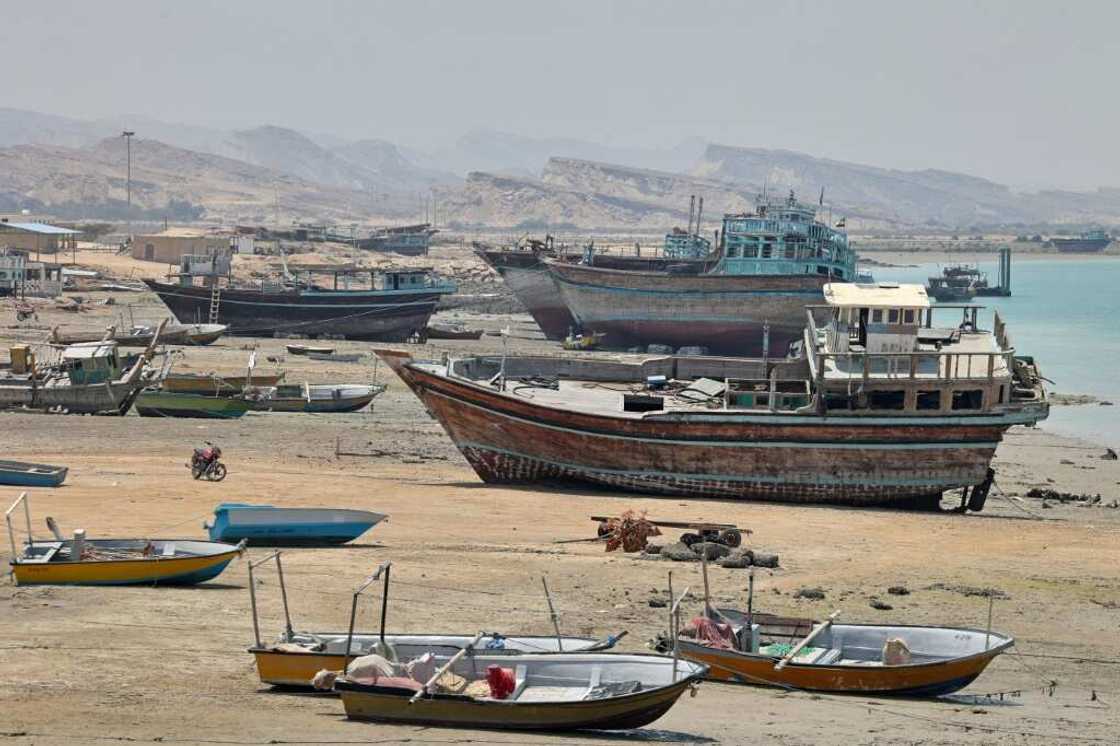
column 205, row 463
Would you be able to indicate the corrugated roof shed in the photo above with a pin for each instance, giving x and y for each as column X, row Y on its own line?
column 42, row 228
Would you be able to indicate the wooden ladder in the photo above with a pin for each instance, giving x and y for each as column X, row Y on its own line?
column 215, row 303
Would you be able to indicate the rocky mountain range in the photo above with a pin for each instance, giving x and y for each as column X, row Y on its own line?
column 75, row 168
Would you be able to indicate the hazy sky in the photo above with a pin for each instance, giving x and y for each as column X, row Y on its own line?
column 1021, row 92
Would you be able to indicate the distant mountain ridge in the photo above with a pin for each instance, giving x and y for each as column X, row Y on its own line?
column 61, row 164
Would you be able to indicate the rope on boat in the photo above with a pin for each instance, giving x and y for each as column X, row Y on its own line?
column 1023, row 508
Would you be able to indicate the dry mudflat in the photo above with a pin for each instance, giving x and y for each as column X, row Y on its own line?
column 103, row 665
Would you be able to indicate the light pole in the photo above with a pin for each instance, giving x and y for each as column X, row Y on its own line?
column 127, row 135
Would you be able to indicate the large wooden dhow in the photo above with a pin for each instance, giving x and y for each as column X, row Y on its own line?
column 749, row 298
column 364, row 304
column 878, row 406
column 525, row 273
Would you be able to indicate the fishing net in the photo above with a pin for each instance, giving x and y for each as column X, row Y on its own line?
column 630, row 531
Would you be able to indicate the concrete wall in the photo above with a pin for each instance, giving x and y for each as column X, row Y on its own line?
column 170, row 249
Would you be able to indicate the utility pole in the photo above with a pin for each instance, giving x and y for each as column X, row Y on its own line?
column 127, row 135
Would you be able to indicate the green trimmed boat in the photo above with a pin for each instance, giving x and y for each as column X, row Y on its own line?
column 159, row 403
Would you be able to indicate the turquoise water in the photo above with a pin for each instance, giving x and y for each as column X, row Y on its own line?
column 1065, row 314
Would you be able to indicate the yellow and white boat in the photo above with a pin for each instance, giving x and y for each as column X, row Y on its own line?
column 82, row 561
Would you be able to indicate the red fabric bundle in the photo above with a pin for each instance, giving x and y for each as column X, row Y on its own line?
column 501, row 681
column 713, row 634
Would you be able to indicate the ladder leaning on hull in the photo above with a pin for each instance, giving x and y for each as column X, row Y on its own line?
column 215, row 302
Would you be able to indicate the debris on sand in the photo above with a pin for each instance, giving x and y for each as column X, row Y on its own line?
column 875, row 603
column 815, row 594
column 898, row 590
column 968, row 590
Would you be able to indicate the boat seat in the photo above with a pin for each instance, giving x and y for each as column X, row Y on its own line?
column 596, row 676
column 519, row 679
column 552, row 694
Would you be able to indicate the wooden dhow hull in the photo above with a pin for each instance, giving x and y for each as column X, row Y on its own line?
column 110, row 398
column 387, row 316
column 837, row 459
column 528, row 279
column 725, row 313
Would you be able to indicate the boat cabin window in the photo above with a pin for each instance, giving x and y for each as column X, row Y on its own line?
column 767, row 250
column 822, row 270
column 791, row 252
column 929, row 401
column 887, row 399
column 750, row 252
column 968, row 399
column 732, row 252
column 908, row 316
column 877, row 316
column 892, row 316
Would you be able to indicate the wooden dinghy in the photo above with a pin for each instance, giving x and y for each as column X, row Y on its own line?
column 452, row 331
column 204, row 334
column 297, row 656
column 306, row 349
column 225, row 384
column 312, row 397
column 603, row 691
column 23, row 474
column 159, row 403
column 848, row 658
column 81, row 561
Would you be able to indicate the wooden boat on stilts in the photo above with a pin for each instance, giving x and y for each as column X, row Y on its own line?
column 876, row 406
column 298, row 655
column 82, row 561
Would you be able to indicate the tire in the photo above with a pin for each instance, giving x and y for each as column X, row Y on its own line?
column 689, row 539
column 196, row 471
column 730, row 537
column 218, row 473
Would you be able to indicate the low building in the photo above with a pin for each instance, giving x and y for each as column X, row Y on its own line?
column 40, row 238
column 20, row 276
column 170, row 246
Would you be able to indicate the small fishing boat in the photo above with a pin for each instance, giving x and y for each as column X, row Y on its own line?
column 204, row 334
column 22, row 474
column 160, row 403
column 452, row 331
column 86, row 378
column 336, row 357
column 846, row 658
column 82, row 561
column 225, row 384
column 310, row 397
column 305, row 349
column 297, row 656
column 602, row 691
column 272, row 526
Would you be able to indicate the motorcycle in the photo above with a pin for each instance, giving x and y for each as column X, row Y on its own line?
column 205, row 463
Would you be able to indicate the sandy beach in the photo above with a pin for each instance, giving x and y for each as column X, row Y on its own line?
column 138, row 664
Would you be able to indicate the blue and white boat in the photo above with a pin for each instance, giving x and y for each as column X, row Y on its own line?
column 273, row 526
column 23, row 474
